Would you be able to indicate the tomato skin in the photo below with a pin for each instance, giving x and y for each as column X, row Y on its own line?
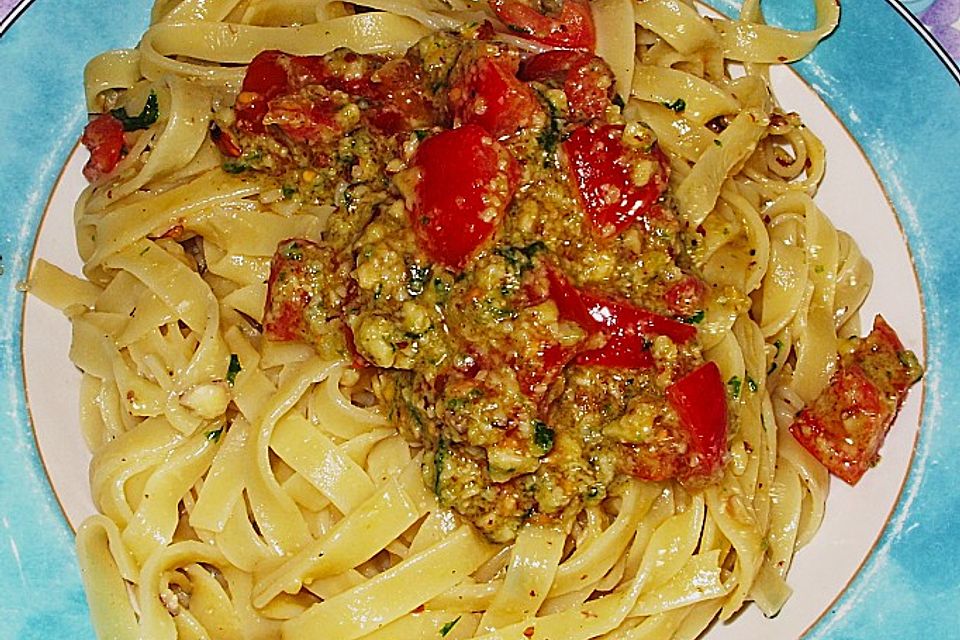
column 266, row 77
column 602, row 168
column 700, row 400
column 225, row 141
column 535, row 378
column 399, row 101
column 686, row 297
column 393, row 89
column 466, row 182
column 304, row 119
column 573, row 28
column 586, row 80
column 618, row 315
column 845, row 426
column 488, row 93
column 627, row 327
column 103, row 137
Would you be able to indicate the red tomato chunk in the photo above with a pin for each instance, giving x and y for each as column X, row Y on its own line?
column 466, row 180
column 585, row 79
column 571, row 28
column 846, row 424
column 700, row 400
column 103, row 137
column 618, row 182
column 487, row 93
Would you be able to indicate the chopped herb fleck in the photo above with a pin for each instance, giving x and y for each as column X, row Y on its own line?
column 520, row 259
column 233, row 369
column 235, row 167
column 243, row 163
column 149, row 115
column 734, row 385
column 752, row 384
column 549, row 136
column 445, row 629
column 909, row 360
column 773, row 365
column 677, row 106
column 542, row 436
column 696, row 318
column 214, row 435
column 442, row 288
column 437, row 463
column 293, row 251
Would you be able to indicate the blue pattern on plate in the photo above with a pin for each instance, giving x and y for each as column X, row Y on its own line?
column 898, row 99
column 42, row 59
column 904, row 109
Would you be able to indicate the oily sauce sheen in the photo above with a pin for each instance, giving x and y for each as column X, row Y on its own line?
column 502, row 259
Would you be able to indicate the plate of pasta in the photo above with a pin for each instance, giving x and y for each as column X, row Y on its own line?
column 518, row 320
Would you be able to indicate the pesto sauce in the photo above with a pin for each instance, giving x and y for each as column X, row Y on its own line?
column 459, row 355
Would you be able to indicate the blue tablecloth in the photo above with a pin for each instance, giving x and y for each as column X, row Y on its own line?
column 940, row 17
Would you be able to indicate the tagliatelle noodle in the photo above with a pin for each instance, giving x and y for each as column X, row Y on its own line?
column 263, row 503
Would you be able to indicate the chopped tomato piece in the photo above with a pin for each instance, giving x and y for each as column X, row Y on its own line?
column 686, row 297
column 225, row 141
column 586, row 80
column 622, row 350
column 466, row 182
column 618, row 316
column 700, row 400
column 399, row 100
column 351, row 73
column 571, row 27
column 569, row 301
column 304, row 119
column 617, row 182
column 103, row 137
column 845, row 426
column 266, row 74
column 535, row 377
column 393, row 90
column 627, row 327
column 488, row 93
column 266, row 77
column 693, row 444
column 287, row 296
column 309, row 285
